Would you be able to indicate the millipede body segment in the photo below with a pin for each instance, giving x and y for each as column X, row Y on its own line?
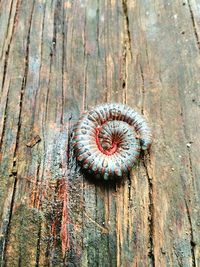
column 108, row 138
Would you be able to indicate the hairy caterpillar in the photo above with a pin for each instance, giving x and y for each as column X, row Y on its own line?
column 107, row 139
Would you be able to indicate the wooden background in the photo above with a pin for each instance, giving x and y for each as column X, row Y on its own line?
column 60, row 57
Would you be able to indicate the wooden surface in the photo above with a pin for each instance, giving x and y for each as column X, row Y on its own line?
column 60, row 57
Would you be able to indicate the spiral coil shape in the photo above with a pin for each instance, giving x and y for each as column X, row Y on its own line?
column 108, row 138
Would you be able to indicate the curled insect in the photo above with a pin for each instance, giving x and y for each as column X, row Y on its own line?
column 108, row 138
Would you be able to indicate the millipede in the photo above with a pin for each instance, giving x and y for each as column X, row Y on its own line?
column 108, row 138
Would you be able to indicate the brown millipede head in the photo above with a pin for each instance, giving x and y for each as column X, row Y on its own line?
column 107, row 140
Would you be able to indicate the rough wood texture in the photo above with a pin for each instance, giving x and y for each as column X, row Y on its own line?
column 60, row 57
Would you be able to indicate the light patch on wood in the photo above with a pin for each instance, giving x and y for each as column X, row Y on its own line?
column 113, row 2
column 132, row 4
column 67, row 5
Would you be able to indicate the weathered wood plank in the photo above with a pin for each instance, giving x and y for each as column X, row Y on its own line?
column 60, row 57
column 168, row 54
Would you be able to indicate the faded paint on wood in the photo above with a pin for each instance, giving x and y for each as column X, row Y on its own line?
column 60, row 57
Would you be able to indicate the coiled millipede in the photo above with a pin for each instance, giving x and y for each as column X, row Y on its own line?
column 108, row 138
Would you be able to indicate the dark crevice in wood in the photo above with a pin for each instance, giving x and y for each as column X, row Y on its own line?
column 63, row 64
column 125, row 50
column 98, row 33
column 120, row 249
column 192, row 243
column 71, row 37
column 143, row 90
column 129, row 186
column 106, row 37
column 125, row 10
column 42, row 40
column 129, row 204
column 179, row 261
column 48, row 86
column 97, row 251
column 85, row 84
column 147, row 55
column 194, row 25
column 85, row 56
column 124, row 72
column 4, row 121
column 5, row 67
column 14, row 167
column 151, row 216
column 20, row 243
column 109, row 241
column 190, row 168
column 8, row 48
column 52, row 54
column 55, row 22
column 9, row 221
column 38, row 246
column 97, row 54
column 106, row 78
column 36, row 185
column 69, row 142
column 117, row 231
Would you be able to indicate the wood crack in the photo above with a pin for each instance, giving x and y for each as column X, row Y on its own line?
column 129, row 205
column 194, row 25
column 85, row 56
column 151, row 216
column 124, row 73
column 38, row 246
column 190, row 168
column 143, row 90
column 179, row 261
column 63, row 65
column 36, row 202
column 5, row 242
column 52, row 54
column 126, row 51
column 192, row 242
column 125, row 10
column 8, row 48
column 4, row 121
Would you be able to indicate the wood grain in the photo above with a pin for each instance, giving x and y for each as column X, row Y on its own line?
column 60, row 57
